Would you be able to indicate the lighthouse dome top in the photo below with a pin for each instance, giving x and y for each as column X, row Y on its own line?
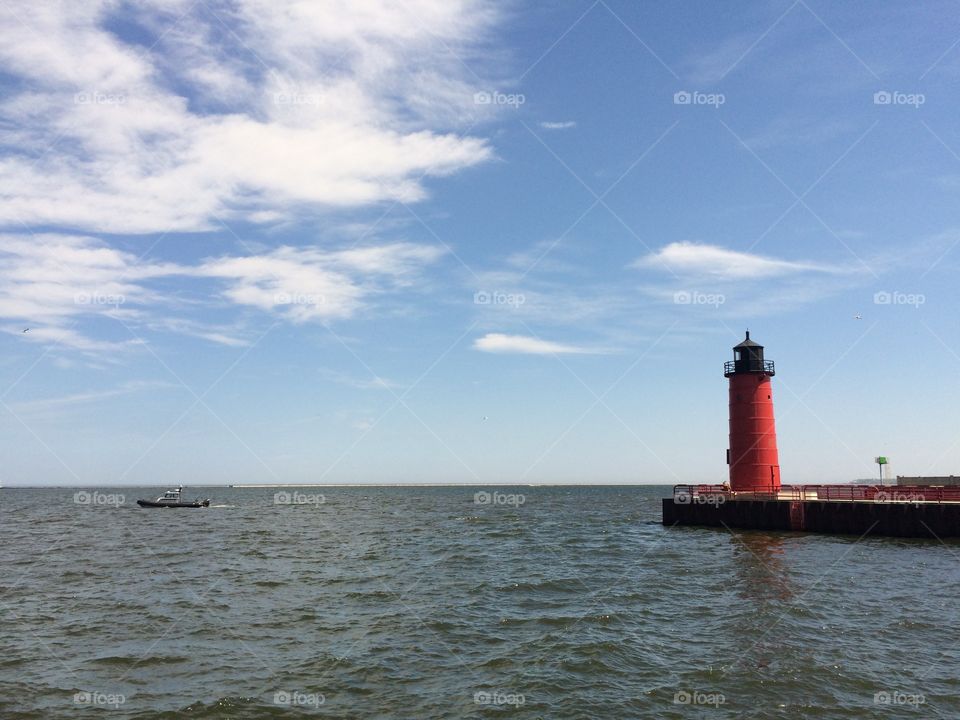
column 747, row 342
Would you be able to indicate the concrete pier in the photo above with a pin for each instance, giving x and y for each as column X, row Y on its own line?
column 850, row 517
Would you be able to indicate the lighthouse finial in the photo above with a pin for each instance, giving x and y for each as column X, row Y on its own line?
column 748, row 333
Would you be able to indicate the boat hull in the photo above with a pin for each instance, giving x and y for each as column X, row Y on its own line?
column 152, row 504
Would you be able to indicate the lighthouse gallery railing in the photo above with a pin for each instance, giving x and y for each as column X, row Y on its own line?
column 730, row 366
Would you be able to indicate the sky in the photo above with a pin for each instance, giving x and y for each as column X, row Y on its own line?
column 473, row 242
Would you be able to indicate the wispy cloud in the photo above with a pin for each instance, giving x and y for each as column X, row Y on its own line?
column 311, row 284
column 368, row 383
column 237, row 112
column 231, row 336
column 50, row 283
column 721, row 263
column 564, row 125
column 809, row 130
column 81, row 399
column 526, row 345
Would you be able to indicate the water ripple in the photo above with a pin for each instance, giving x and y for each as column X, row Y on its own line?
column 419, row 602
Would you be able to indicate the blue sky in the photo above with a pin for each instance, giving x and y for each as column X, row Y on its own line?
column 473, row 242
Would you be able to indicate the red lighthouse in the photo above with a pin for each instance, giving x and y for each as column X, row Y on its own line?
column 752, row 456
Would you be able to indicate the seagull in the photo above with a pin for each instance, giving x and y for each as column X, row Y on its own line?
column 26, row 330
column 485, row 418
column 858, row 316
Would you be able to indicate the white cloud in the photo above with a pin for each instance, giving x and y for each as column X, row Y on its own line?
column 720, row 263
column 286, row 281
column 292, row 104
column 565, row 125
column 522, row 344
column 397, row 259
column 50, row 283
column 47, row 278
column 311, row 284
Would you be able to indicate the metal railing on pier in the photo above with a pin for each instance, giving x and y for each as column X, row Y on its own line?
column 832, row 493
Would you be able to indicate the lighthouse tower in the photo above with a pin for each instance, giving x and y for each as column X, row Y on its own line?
column 752, row 456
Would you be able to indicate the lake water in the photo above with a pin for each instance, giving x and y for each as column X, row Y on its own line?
column 524, row 602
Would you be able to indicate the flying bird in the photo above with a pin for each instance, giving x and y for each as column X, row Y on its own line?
column 858, row 316
column 26, row 329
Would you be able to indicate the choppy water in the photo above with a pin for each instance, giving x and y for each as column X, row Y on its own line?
column 422, row 603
